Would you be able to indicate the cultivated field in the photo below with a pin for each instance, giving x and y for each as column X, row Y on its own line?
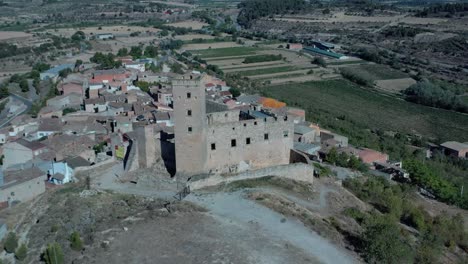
column 325, row 100
column 193, row 36
column 395, row 85
column 189, row 24
column 213, row 45
column 5, row 35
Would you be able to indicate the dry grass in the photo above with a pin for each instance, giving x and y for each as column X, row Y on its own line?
column 395, row 85
column 189, row 24
column 216, row 45
column 4, row 35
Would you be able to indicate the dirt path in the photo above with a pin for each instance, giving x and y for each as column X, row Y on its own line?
column 235, row 208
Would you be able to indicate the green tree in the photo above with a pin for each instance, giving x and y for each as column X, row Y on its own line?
column 65, row 72
column 164, row 33
column 122, row 52
column 151, row 51
column 75, row 241
column 11, row 243
column 354, row 162
column 24, row 85
column 135, row 52
column 4, row 91
column 53, row 254
column 78, row 63
column 383, row 242
column 144, row 86
column 22, row 252
column 177, row 68
column 235, row 92
column 332, row 156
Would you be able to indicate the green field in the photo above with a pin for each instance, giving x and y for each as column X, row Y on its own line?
column 266, row 70
column 377, row 72
column 349, row 109
column 224, row 52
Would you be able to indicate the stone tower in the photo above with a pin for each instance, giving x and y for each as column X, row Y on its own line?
column 189, row 124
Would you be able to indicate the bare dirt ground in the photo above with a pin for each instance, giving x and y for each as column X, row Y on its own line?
column 193, row 36
column 304, row 78
column 252, row 66
column 395, row 85
column 216, row 45
column 189, row 24
column 4, row 35
column 218, row 226
column 276, row 75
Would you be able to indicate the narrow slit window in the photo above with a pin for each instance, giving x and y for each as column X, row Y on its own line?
column 233, row 143
column 189, row 129
column 213, row 146
column 189, row 112
column 189, row 95
column 247, row 141
column 265, row 136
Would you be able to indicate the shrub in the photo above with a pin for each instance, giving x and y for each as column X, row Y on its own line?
column 22, row 252
column 53, row 254
column 11, row 243
column 356, row 77
column 320, row 61
column 75, row 241
column 262, row 58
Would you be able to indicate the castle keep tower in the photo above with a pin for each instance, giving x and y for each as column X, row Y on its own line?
column 189, row 121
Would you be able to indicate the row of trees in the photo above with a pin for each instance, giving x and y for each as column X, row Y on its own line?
column 254, row 9
column 356, row 77
column 450, row 8
column 427, row 93
column 137, row 52
column 262, row 58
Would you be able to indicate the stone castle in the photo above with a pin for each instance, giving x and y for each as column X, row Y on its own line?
column 219, row 141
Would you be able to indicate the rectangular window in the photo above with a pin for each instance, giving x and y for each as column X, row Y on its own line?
column 189, row 95
column 189, row 129
column 265, row 136
column 213, row 146
column 233, row 142
column 247, row 141
column 189, row 112
column 285, row 133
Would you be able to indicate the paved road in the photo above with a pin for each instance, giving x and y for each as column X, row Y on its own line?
column 24, row 101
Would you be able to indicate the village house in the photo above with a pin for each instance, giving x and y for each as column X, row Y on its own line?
column 69, row 100
column 21, row 151
column 95, row 105
column 66, row 146
column 455, row 149
column 50, row 112
column 48, row 126
column 60, row 173
column 304, row 134
column 72, row 87
column 294, row 46
column 22, row 125
column 139, row 66
column 332, row 138
column 21, row 185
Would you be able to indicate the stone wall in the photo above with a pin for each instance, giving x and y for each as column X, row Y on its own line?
column 298, row 172
column 255, row 143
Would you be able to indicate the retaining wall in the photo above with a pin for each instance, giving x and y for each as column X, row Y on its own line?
column 297, row 171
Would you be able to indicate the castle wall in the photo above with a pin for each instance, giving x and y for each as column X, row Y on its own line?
column 257, row 143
